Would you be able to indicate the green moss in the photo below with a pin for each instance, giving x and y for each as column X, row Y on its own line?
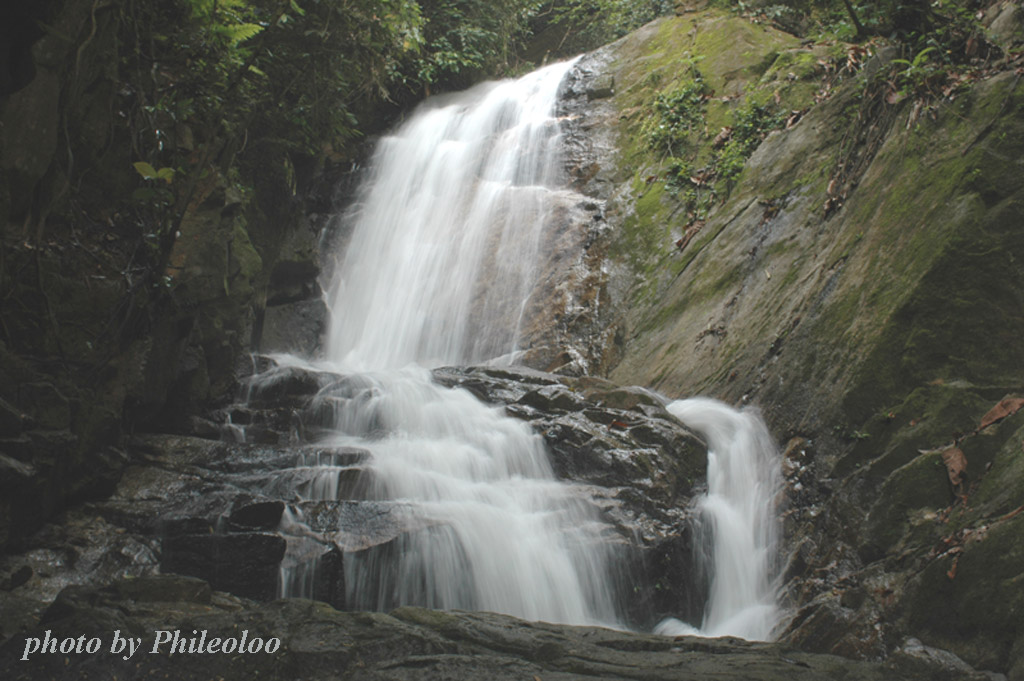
column 970, row 603
column 794, row 64
column 661, row 106
column 931, row 416
column 920, row 484
column 437, row 620
column 1001, row 487
column 927, row 265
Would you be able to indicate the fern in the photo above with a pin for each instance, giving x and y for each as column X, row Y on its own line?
column 238, row 33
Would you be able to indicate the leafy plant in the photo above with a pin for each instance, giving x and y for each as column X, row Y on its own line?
column 148, row 172
column 913, row 75
column 751, row 123
column 677, row 113
column 582, row 25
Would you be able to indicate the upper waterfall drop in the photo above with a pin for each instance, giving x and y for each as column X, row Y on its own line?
column 442, row 256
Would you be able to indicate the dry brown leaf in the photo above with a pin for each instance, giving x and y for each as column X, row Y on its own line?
column 956, row 465
column 952, row 570
column 1007, row 407
column 1015, row 512
column 722, row 137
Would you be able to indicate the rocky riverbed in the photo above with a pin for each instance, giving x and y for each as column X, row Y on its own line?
column 320, row 642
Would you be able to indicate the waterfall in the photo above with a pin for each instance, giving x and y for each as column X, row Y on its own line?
column 441, row 261
column 737, row 520
column 438, row 270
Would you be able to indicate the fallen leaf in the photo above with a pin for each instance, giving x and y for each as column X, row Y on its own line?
column 691, row 231
column 1007, row 407
column 952, row 570
column 956, row 465
column 972, row 47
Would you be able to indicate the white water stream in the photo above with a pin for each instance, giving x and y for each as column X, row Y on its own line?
column 737, row 520
column 438, row 271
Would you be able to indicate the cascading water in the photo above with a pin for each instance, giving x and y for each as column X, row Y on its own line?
column 440, row 265
column 737, row 521
column 438, row 270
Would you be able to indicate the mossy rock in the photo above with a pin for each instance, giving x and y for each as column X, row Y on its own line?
column 921, row 485
column 931, row 416
column 1001, row 486
column 972, row 602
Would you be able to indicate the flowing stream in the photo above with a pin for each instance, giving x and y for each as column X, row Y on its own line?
column 438, row 270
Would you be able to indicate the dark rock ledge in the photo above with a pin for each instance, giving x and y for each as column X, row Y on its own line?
column 319, row 642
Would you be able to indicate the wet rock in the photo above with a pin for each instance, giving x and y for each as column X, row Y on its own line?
column 296, row 327
column 226, row 511
column 286, row 382
column 359, row 525
column 602, row 87
column 260, row 515
column 12, row 419
column 552, row 398
column 246, row 563
column 83, row 549
column 204, row 428
column 639, row 465
column 319, row 642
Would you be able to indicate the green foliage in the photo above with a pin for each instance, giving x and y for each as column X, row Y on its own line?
column 464, row 40
column 225, row 19
column 917, row 23
column 751, row 123
column 587, row 24
column 148, row 172
column 911, row 76
column 676, row 128
column 677, row 113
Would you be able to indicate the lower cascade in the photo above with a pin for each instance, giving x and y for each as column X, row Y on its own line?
column 439, row 270
column 737, row 525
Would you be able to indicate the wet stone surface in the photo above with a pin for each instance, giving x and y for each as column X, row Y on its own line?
column 235, row 510
column 320, row 642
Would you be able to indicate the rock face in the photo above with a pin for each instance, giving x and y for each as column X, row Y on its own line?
column 99, row 336
column 860, row 280
column 319, row 642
